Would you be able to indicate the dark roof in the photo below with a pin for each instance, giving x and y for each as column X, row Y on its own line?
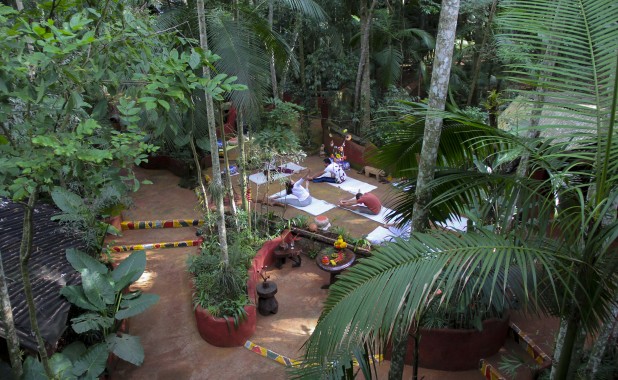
column 49, row 272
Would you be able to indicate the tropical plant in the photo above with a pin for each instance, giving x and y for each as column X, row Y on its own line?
column 220, row 288
column 558, row 232
column 105, row 303
column 87, row 214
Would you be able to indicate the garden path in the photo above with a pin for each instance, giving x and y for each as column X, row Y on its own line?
column 173, row 347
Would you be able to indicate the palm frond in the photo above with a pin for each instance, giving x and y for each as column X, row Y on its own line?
column 567, row 51
column 308, row 8
column 243, row 56
column 402, row 279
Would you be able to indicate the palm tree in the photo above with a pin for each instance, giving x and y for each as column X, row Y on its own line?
column 559, row 244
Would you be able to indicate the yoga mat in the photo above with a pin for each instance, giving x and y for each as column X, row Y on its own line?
column 317, row 206
column 260, row 178
column 382, row 234
column 291, row 166
column 354, row 186
column 454, row 223
column 380, row 218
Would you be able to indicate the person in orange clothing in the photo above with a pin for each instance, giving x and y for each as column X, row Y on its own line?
column 365, row 203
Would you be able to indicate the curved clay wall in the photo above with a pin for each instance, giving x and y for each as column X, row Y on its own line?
column 458, row 349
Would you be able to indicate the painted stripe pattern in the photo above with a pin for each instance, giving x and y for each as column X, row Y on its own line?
column 151, row 224
column 137, row 247
column 531, row 348
column 284, row 359
column 271, row 354
column 489, row 372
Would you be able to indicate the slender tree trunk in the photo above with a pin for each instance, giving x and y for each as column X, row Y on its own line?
column 216, row 185
column 366, row 96
column 286, row 70
column 7, row 318
column 476, row 71
column 438, row 92
column 226, row 163
column 558, row 347
column 398, row 356
column 417, row 342
column 242, row 161
column 25, row 251
column 361, row 75
column 605, row 338
column 564, row 365
column 200, row 180
column 273, row 69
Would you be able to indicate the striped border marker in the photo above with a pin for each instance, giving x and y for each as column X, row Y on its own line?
column 489, row 372
column 152, row 224
column 284, row 359
column 531, row 348
column 271, row 354
column 137, row 247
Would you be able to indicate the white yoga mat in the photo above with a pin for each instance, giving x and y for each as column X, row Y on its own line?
column 260, row 178
column 454, row 223
column 383, row 234
column 292, row 166
column 380, row 218
column 317, row 206
column 380, row 235
column 354, row 186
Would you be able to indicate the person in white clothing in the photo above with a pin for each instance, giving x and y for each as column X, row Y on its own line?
column 333, row 173
column 295, row 194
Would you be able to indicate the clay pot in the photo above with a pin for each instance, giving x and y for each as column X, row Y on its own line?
column 220, row 332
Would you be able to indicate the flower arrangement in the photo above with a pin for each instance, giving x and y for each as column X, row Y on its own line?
column 340, row 244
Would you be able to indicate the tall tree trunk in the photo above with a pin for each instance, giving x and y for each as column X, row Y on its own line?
column 216, row 186
column 398, row 355
column 365, row 25
column 200, row 179
column 284, row 77
column 273, row 70
column 226, row 163
column 605, row 338
column 438, row 92
column 25, row 251
column 242, row 161
column 7, row 318
column 476, row 71
column 365, row 96
column 564, row 366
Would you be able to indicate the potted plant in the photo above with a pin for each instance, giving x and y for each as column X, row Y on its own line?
column 223, row 295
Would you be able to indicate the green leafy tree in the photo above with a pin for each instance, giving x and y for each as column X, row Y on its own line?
column 553, row 237
column 59, row 79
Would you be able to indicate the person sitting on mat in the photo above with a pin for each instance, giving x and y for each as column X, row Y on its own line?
column 364, row 203
column 295, row 194
column 333, row 173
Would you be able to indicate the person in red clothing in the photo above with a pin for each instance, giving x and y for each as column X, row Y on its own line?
column 365, row 203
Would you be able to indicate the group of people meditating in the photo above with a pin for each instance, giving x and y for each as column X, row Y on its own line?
column 298, row 195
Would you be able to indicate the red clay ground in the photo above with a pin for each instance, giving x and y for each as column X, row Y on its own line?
column 173, row 347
